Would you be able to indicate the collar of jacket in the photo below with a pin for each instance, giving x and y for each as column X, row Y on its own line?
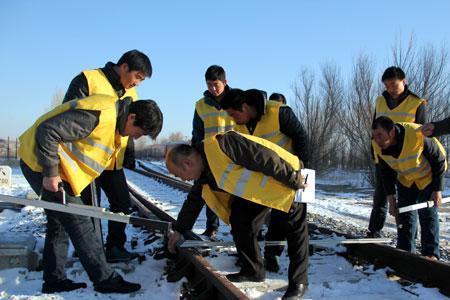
column 396, row 149
column 113, row 78
column 402, row 97
column 122, row 113
column 215, row 101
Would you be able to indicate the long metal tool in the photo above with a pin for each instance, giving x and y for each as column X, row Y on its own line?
column 323, row 243
column 156, row 226
column 421, row 205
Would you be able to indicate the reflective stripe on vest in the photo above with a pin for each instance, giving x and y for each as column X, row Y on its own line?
column 83, row 160
column 405, row 112
column 269, row 127
column 98, row 84
column 411, row 166
column 214, row 120
column 238, row 181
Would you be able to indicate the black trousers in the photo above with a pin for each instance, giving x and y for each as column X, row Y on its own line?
column 246, row 219
column 61, row 226
column 380, row 206
column 293, row 227
column 114, row 184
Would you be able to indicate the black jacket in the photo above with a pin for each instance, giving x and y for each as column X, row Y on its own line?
column 289, row 125
column 431, row 152
column 241, row 151
column 441, row 127
column 79, row 88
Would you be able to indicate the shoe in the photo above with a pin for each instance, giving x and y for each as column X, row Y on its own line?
column 295, row 292
column 271, row 263
column 119, row 254
column 211, row 233
column 64, row 285
column 116, row 285
column 373, row 235
column 240, row 277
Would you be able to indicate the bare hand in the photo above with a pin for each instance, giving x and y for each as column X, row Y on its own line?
column 436, row 196
column 301, row 181
column 51, row 183
column 427, row 129
column 174, row 237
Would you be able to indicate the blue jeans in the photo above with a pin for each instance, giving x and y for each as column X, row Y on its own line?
column 428, row 218
column 62, row 226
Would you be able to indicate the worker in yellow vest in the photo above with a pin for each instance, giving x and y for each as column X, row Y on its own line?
column 415, row 165
column 277, row 123
column 241, row 177
column 71, row 146
column 401, row 105
column 209, row 119
column 118, row 80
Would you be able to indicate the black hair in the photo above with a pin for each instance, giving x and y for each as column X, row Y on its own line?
column 233, row 99
column 383, row 122
column 148, row 117
column 214, row 73
column 278, row 97
column 393, row 73
column 178, row 152
column 137, row 61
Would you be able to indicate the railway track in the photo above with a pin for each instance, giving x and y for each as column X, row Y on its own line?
column 205, row 282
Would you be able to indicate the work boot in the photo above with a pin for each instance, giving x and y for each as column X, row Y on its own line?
column 295, row 292
column 373, row 235
column 119, row 254
column 211, row 233
column 65, row 285
column 116, row 285
column 271, row 263
column 241, row 277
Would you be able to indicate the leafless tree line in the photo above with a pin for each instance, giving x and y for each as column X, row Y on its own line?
column 338, row 113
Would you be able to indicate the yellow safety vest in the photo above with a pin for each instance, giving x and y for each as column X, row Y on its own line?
column 214, row 120
column 405, row 112
column 83, row 160
column 411, row 165
column 98, row 84
column 241, row 182
column 269, row 127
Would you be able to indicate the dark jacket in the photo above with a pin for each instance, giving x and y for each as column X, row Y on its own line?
column 421, row 113
column 198, row 128
column 241, row 151
column 289, row 126
column 71, row 125
column 441, row 127
column 431, row 152
column 79, row 88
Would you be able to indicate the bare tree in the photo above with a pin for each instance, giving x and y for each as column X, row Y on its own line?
column 176, row 137
column 57, row 99
column 318, row 107
column 357, row 115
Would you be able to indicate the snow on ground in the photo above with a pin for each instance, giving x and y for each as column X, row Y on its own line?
column 330, row 276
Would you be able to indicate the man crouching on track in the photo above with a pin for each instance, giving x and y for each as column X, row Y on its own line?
column 70, row 146
column 241, row 177
column 416, row 166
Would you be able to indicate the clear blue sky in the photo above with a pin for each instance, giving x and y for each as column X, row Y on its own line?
column 261, row 44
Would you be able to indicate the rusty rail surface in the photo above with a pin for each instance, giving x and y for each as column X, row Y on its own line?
column 409, row 266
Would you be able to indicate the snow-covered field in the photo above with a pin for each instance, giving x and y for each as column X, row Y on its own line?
column 331, row 277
